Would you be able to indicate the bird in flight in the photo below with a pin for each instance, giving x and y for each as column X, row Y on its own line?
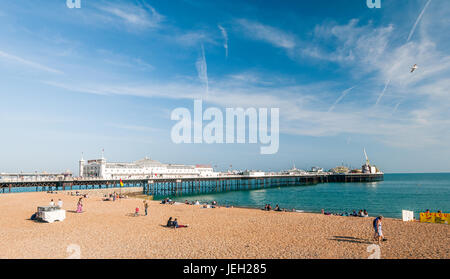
column 414, row 68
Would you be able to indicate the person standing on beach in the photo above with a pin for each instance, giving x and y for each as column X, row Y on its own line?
column 378, row 235
column 145, row 207
column 80, row 206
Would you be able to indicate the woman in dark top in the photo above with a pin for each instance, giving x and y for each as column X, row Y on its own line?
column 170, row 222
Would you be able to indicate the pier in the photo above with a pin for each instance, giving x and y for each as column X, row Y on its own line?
column 162, row 187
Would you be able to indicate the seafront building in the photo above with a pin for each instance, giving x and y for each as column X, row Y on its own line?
column 141, row 169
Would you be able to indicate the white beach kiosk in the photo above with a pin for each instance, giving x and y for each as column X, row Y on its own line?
column 50, row 214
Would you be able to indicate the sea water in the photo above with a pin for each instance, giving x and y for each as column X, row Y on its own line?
column 415, row 192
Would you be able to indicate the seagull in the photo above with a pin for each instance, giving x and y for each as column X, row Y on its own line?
column 414, row 68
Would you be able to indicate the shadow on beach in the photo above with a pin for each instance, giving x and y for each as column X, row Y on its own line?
column 351, row 239
column 133, row 215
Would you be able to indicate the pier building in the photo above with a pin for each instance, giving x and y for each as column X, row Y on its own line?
column 141, row 169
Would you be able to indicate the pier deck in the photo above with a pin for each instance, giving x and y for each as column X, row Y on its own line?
column 189, row 185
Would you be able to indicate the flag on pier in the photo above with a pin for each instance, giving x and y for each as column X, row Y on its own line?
column 121, row 183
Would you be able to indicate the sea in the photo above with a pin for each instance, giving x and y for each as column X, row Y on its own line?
column 416, row 192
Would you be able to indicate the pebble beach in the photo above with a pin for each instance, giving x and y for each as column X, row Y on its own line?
column 108, row 230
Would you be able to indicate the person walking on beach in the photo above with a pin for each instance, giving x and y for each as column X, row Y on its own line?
column 145, row 207
column 60, row 204
column 378, row 235
column 80, row 206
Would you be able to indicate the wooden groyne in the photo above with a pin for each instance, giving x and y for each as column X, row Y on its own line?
column 190, row 185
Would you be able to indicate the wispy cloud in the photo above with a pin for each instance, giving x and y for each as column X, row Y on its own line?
column 225, row 37
column 28, row 63
column 350, row 44
column 194, row 38
column 371, row 54
column 202, row 69
column 413, row 29
column 124, row 61
column 383, row 92
column 411, row 33
column 344, row 93
column 144, row 16
column 272, row 35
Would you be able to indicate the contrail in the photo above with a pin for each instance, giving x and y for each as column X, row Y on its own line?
column 344, row 93
column 411, row 33
column 225, row 37
column 395, row 108
column 418, row 20
column 384, row 91
column 202, row 69
column 28, row 63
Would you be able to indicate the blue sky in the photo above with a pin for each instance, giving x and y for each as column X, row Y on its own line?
column 109, row 74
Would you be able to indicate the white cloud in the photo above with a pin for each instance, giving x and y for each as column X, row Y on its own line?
column 371, row 54
column 28, row 63
column 194, row 38
column 144, row 16
column 272, row 35
column 202, row 69
column 225, row 37
column 124, row 61
column 351, row 44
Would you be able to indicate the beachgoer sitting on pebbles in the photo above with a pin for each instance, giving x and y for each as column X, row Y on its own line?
column 176, row 225
column 169, row 223
column 277, row 208
column 136, row 212
column 365, row 214
column 166, row 201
